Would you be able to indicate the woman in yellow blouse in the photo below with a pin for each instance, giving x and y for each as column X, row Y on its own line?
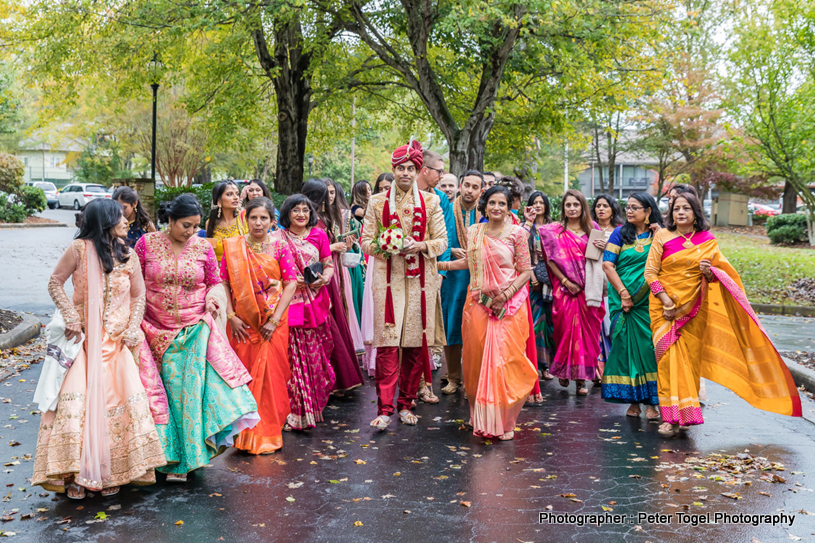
column 223, row 219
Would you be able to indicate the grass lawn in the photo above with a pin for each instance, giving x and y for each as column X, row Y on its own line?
column 767, row 270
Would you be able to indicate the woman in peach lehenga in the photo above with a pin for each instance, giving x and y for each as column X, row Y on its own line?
column 101, row 434
column 498, row 375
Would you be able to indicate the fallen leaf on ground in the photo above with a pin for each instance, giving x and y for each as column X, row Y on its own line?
column 466, row 504
column 179, row 523
column 358, row 523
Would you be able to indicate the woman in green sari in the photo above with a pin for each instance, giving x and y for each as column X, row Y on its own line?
column 630, row 374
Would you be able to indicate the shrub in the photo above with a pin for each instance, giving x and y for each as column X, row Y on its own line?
column 787, row 219
column 204, row 195
column 32, row 198
column 787, row 234
column 11, row 213
column 12, row 171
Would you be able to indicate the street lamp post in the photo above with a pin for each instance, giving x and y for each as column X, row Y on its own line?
column 154, row 67
column 310, row 164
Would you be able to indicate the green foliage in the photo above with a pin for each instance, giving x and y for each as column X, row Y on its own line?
column 33, row 199
column 787, row 228
column 787, row 234
column 203, row 193
column 11, row 213
column 12, row 171
column 100, row 162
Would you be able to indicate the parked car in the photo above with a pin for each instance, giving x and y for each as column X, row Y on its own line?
column 76, row 195
column 50, row 191
column 762, row 210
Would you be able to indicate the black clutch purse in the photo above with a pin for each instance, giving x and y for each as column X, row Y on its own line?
column 542, row 273
column 311, row 272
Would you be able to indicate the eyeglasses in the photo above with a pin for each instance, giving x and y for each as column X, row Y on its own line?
column 439, row 170
column 633, row 208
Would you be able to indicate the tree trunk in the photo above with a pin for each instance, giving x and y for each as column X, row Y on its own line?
column 790, row 199
column 468, row 146
column 611, row 150
column 289, row 72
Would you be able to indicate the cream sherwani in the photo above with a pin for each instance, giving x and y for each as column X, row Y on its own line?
column 406, row 291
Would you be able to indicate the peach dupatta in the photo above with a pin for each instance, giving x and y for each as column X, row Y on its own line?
column 495, row 364
column 95, row 459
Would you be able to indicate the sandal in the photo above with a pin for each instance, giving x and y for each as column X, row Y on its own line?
column 547, row 376
column 509, row 436
column 451, row 388
column 652, row 414
column 563, row 382
column 667, row 429
column 176, row 477
column 75, row 491
column 534, row 399
column 426, row 395
column 633, row 411
column 408, row 418
column 381, row 422
column 581, row 388
column 110, row 491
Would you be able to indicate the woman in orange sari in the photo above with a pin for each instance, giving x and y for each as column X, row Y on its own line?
column 498, row 375
column 260, row 281
column 704, row 326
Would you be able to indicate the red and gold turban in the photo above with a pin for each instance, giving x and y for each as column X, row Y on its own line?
column 412, row 152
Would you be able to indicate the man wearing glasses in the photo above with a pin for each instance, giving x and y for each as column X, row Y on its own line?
column 427, row 180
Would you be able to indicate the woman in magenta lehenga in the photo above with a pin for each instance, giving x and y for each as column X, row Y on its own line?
column 577, row 309
column 343, row 357
column 311, row 340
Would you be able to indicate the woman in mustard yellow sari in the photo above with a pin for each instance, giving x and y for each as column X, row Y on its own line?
column 260, row 279
column 498, row 375
column 704, row 326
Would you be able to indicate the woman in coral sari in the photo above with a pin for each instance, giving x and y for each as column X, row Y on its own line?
column 577, row 308
column 209, row 402
column 704, row 326
column 311, row 340
column 101, row 434
column 498, row 375
column 260, row 281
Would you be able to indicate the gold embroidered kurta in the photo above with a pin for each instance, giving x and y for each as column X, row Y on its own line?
column 406, row 291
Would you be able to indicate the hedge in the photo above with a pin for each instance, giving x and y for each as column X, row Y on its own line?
column 204, row 195
column 787, row 228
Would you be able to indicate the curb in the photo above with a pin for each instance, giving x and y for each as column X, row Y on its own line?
column 801, row 374
column 26, row 330
column 790, row 310
column 11, row 226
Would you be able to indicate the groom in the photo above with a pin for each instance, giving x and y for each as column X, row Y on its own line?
column 405, row 285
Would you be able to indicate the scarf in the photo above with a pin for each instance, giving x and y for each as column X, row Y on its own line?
column 461, row 225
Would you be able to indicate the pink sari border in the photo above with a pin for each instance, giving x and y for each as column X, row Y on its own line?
column 675, row 245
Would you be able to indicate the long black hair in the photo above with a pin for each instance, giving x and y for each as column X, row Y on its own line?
column 293, row 201
column 99, row 217
column 317, row 191
column 616, row 211
column 628, row 231
column 482, row 203
column 129, row 196
column 547, row 215
column 359, row 194
column 333, row 212
column 217, row 191
column 700, row 222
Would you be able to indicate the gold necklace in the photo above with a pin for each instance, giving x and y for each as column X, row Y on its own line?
column 257, row 246
column 687, row 244
column 578, row 232
column 639, row 244
column 302, row 236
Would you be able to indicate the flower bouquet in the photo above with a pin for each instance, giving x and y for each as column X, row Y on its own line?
column 390, row 241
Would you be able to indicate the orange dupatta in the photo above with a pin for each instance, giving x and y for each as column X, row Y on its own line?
column 254, row 290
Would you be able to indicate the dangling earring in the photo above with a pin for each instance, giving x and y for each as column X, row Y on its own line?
column 647, row 222
column 219, row 211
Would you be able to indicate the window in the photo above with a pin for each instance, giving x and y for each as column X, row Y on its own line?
column 95, row 188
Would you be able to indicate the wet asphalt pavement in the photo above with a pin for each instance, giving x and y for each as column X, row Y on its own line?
column 435, row 481
column 342, row 481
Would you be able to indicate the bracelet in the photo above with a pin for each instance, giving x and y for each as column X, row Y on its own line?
column 625, row 297
column 665, row 308
column 274, row 321
column 230, row 315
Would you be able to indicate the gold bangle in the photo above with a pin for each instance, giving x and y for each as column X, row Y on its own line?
column 625, row 297
column 230, row 315
column 274, row 321
column 665, row 308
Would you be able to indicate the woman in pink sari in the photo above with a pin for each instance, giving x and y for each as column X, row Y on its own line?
column 101, row 434
column 577, row 309
column 498, row 375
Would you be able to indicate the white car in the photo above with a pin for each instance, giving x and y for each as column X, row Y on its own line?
column 50, row 191
column 77, row 195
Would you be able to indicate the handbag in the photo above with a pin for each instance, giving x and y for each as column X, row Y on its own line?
column 311, row 272
column 351, row 259
column 542, row 273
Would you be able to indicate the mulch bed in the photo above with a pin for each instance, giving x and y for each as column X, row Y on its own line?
column 8, row 320
column 755, row 230
column 39, row 220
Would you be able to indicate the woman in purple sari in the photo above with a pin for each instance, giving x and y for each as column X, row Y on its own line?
column 577, row 289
